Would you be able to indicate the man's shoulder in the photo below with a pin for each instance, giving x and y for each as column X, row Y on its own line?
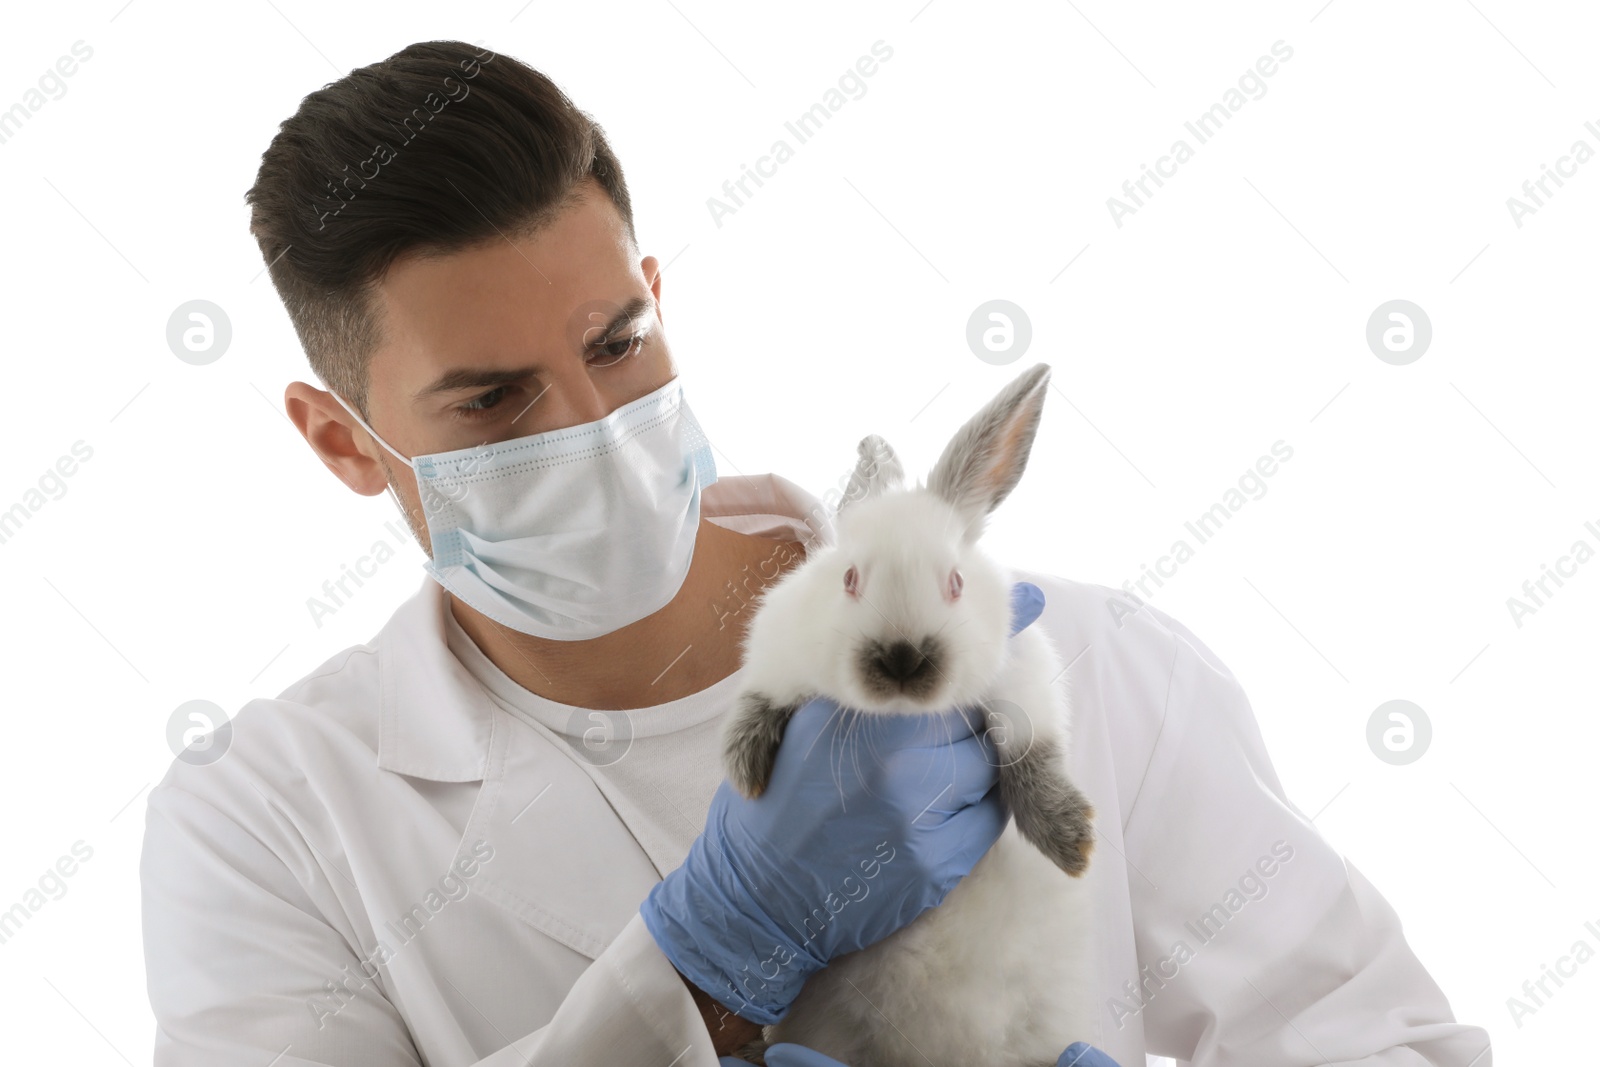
column 280, row 781
column 344, row 682
column 326, row 721
column 1080, row 616
column 1126, row 664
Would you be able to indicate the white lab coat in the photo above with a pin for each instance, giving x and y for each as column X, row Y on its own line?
column 272, row 876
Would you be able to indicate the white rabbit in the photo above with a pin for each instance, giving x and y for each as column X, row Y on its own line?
column 903, row 613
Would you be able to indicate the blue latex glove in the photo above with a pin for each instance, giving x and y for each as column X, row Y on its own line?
column 867, row 822
column 784, row 1054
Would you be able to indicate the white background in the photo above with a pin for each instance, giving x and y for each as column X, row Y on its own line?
column 1228, row 313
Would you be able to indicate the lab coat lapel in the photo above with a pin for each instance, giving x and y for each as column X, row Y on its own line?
column 563, row 862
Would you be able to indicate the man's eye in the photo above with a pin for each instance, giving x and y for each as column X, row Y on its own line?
column 606, row 353
column 480, row 407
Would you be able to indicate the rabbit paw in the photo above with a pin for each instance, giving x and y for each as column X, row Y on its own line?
column 750, row 742
column 1051, row 813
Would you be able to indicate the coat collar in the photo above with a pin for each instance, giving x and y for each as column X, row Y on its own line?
column 434, row 719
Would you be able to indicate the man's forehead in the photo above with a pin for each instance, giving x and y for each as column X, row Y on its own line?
column 564, row 286
column 579, row 250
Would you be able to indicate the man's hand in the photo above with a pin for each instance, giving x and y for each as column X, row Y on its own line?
column 867, row 822
column 852, row 839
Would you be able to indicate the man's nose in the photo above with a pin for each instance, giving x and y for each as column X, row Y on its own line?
column 562, row 397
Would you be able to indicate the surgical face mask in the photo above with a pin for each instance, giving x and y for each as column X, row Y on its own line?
column 573, row 533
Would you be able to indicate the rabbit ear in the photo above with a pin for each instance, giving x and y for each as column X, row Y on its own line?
column 877, row 469
column 984, row 460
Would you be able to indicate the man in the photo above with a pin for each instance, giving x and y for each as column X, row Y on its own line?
column 490, row 835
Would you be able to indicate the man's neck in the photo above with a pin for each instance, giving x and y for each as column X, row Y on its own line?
column 688, row 645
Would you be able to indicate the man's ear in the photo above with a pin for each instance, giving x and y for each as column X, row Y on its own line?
column 650, row 267
column 343, row 446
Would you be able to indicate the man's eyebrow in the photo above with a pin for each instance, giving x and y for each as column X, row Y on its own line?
column 473, row 378
column 622, row 319
column 490, row 377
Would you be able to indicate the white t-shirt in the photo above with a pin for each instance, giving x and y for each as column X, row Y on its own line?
column 651, row 763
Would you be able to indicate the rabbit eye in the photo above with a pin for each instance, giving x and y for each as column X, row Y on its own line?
column 852, row 581
column 955, row 583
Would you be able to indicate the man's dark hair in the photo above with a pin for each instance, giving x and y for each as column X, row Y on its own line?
column 434, row 150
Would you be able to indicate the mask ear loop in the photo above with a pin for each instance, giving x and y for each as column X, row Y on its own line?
column 370, row 431
column 387, row 485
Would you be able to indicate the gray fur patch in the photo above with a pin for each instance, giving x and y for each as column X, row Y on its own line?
column 1051, row 814
column 750, row 742
column 985, row 459
column 877, row 471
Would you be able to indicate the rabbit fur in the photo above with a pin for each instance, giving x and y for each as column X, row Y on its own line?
column 904, row 614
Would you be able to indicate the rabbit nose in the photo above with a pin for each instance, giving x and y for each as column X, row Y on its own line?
column 901, row 661
column 901, row 668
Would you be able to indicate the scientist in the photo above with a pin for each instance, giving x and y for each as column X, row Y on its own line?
column 497, row 833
